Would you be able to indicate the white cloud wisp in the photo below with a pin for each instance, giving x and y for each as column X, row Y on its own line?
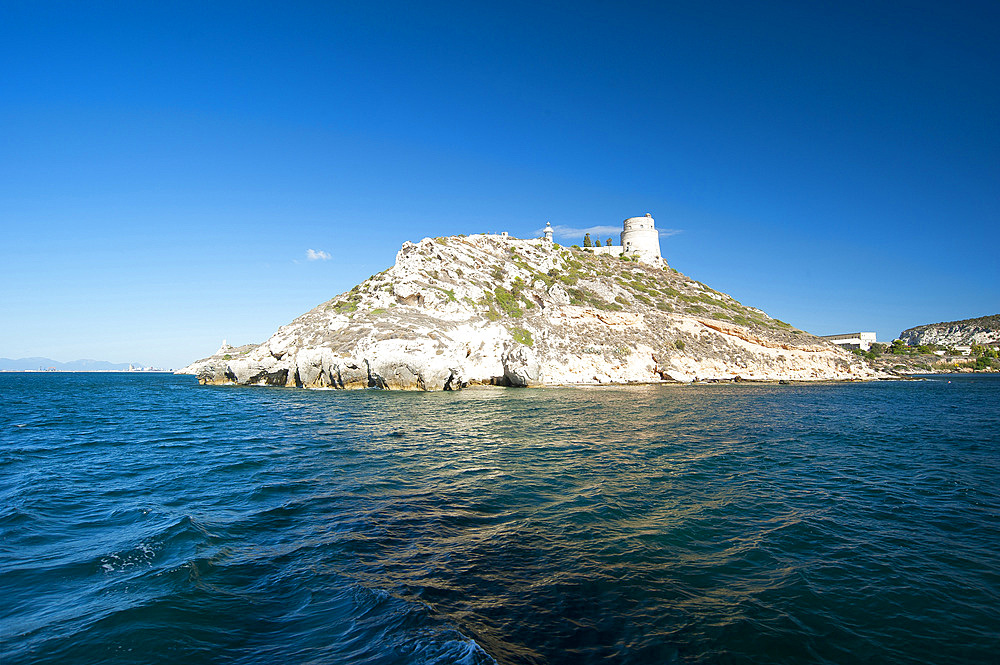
column 317, row 255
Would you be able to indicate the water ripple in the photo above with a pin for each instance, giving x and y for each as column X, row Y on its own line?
column 145, row 519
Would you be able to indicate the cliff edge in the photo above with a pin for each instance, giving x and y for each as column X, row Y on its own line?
column 489, row 309
column 984, row 330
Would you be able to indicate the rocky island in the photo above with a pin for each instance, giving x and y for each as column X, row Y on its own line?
column 493, row 309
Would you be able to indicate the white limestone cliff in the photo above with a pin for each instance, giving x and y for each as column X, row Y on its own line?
column 984, row 330
column 488, row 309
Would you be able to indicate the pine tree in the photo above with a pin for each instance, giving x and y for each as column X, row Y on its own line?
column 587, row 242
column 608, row 243
column 597, row 243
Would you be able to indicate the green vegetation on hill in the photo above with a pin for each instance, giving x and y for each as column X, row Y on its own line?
column 991, row 321
column 931, row 357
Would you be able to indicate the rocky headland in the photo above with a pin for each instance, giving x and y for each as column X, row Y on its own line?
column 983, row 330
column 492, row 309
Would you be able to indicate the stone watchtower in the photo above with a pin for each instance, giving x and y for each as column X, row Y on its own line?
column 639, row 236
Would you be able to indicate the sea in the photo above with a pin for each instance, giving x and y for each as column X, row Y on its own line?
column 147, row 519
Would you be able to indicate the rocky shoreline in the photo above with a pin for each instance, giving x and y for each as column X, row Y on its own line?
column 928, row 364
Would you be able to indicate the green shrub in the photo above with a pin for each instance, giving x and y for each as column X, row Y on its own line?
column 585, row 297
column 982, row 362
column 507, row 301
column 522, row 336
column 570, row 278
column 600, row 303
column 679, row 344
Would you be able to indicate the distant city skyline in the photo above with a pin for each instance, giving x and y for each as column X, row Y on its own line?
column 175, row 175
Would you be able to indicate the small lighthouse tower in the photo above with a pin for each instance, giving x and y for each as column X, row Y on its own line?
column 547, row 233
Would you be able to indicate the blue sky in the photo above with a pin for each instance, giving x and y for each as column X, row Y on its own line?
column 165, row 167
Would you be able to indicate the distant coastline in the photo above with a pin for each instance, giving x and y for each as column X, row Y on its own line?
column 86, row 371
column 43, row 364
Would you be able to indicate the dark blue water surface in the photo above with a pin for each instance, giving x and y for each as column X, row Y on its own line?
column 146, row 519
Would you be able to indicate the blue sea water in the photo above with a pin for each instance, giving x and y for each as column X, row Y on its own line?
column 146, row 519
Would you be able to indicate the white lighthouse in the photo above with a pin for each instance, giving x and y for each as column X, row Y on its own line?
column 547, row 233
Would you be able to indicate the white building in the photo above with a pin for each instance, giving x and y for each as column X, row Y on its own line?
column 639, row 238
column 857, row 340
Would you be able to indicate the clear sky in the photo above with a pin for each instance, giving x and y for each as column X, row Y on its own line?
column 166, row 168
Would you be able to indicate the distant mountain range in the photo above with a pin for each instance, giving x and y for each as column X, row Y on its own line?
column 23, row 364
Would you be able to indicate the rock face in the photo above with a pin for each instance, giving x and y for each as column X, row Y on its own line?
column 984, row 330
column 488, row 309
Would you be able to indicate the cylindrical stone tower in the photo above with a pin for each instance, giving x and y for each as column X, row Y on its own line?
column 640, row 237
column 547, row 233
